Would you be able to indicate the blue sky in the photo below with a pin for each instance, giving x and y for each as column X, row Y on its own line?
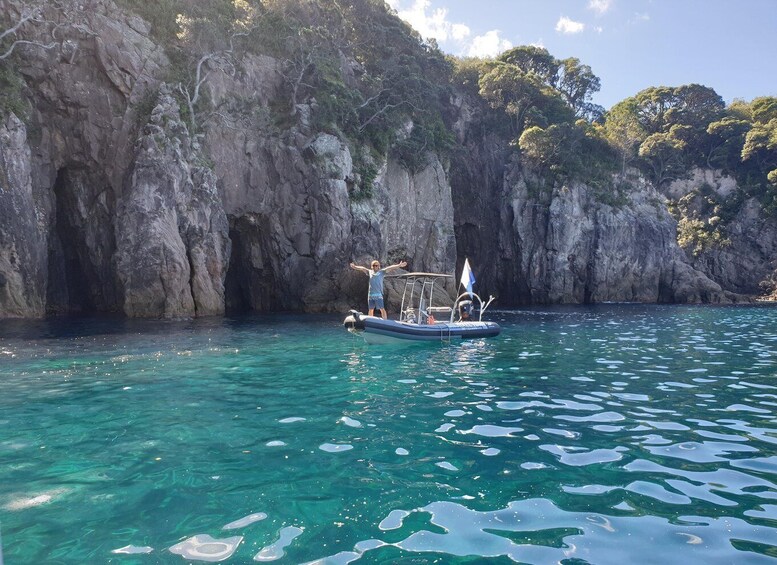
column 728, row 45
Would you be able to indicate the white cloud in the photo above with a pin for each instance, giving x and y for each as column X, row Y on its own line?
column 434, row 23
column 431, row 24
column 459, row 32
column 488, row 45
column 600, row 6
column 567, row 26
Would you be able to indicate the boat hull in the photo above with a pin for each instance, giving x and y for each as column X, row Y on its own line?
column 377, row 330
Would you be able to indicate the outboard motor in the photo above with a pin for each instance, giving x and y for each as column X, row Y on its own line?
column 354, row 320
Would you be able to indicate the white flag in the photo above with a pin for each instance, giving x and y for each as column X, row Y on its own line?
column 467, row 278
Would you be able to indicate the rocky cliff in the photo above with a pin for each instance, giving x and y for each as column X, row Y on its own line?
column 111, row 202
column 110, row 209
column 562, row 243
column 740, row 247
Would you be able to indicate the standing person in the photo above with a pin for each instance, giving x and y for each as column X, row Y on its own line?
column 375, row 293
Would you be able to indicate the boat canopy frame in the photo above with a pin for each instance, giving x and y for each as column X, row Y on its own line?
column 418, row 304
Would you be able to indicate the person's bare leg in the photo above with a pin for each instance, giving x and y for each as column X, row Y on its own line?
column 383, row 313
column 370, row 311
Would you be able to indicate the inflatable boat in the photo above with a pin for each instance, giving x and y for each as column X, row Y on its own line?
column 421, row 320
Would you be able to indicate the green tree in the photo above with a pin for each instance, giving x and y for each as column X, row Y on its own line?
column 726, row 138
column 764, row 109
column 569, row 151
column 663, row 152
column 624, row 131
column 548, row 150
column 508, row 87
column 651, row 107
column 761, row 145
column 577, row 84
column 533, row 60
column 695, row 106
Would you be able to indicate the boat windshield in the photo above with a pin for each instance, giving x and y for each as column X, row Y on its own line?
column 426, row 301
column 423, row 300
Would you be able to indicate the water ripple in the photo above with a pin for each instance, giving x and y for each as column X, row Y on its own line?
column 600, row 435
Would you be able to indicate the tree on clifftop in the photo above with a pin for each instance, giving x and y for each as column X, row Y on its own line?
column 36, row 28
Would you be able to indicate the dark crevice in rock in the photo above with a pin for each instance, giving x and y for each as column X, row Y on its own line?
column 81, row 246
column 68, row 290
column 192, row 271
column 237, row 293
column 251, row 284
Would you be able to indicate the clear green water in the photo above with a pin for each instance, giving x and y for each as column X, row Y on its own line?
column 616, row 434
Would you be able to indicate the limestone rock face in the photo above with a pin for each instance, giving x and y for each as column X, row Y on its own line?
column 172, row 235
column 85, row 96
column 534, row 244
column 22, row 234
column 581, row 251
column 410, row 218
column 748, row 255
column 293, row 224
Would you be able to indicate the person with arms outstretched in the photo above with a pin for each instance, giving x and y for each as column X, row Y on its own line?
column 375, row 292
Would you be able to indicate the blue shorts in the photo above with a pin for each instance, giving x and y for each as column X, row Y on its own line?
column 375, row 302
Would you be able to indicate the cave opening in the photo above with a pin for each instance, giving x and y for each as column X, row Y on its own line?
column 81, row 246
column 237, row 290
column 250, row 284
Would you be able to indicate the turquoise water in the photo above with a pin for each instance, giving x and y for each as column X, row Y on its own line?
column 615, row 434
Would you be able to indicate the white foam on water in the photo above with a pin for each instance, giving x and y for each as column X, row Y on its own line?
column 203, row 547
column 401, row 451
column 276, row 443
column 454, row 413
column 491, row 451
column 245, row 521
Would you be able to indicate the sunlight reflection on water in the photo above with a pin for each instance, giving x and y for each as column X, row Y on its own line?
column 597, row 434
